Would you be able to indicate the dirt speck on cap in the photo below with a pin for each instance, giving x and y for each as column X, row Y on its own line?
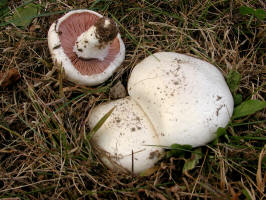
column 218, row 110
column 154, row 154
column 218, row 98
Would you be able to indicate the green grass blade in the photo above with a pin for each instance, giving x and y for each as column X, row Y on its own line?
column 100, row 123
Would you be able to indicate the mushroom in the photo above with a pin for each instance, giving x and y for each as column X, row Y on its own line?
column 87, row 45
column 127, row 136
column 185, row 99
column 173, row 98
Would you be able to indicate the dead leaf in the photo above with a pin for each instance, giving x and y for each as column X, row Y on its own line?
column 150, row 171
column 160, row 196
column 9, row 77
column 34, row 29
column 259, row 177
column 235, row 196
column 11, row 198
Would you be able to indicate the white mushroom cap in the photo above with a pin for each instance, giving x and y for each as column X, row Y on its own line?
column 62, row 36
column 127, row 129
column 186, row 99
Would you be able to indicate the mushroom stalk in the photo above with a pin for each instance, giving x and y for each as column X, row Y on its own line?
column 95, row 42
column 88, row 46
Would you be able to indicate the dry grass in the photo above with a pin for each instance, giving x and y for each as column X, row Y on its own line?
column 44, row 153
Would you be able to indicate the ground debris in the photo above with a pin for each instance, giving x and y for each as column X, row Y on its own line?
column 118, row 91
column 9, row 77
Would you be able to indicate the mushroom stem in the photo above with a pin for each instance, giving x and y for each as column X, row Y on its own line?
column 95, row 42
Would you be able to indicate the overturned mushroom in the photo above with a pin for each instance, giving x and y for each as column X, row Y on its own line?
column 87, row 45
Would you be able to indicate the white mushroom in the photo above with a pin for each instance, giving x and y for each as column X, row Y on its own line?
column 127, row 136
column 88, row 46
column 174, row 98
column 185, row 99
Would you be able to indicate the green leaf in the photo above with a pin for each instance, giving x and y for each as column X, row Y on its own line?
column 3, row 3
column 247, row 195
column 260, row 14
column 248, row 107
column 238, row 99
column 193, row 161
column 24, row 15
column 178, row 150
column 233, row 80
column 244, row 10
column 3, row 7
column 220, row 132
column 100, row 123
